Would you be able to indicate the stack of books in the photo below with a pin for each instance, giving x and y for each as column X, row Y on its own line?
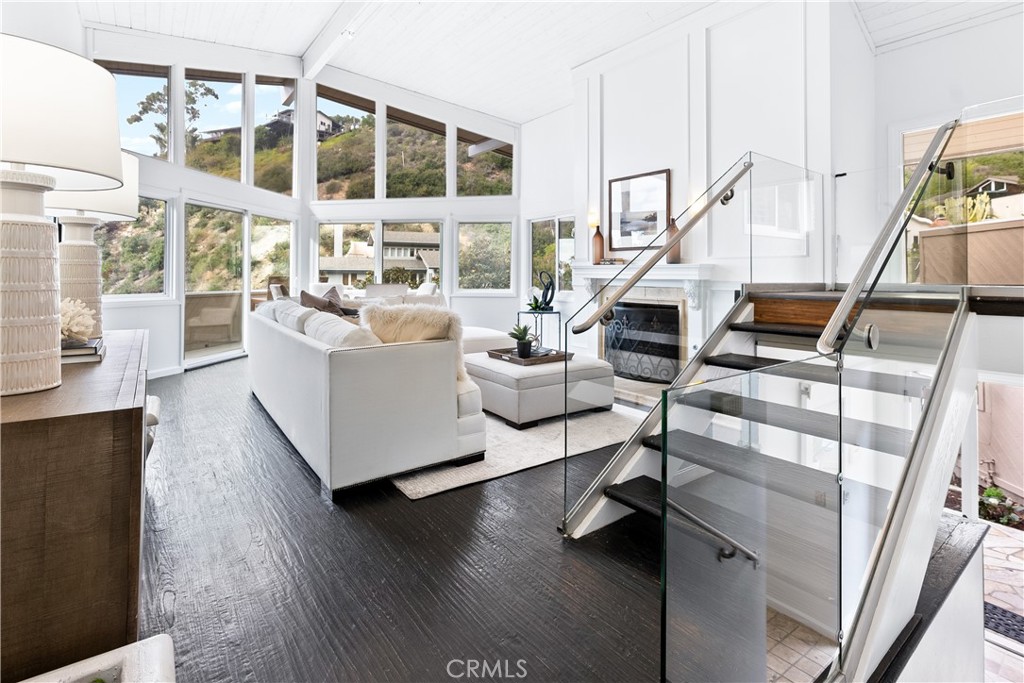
column 613, row 262
column 91, row 351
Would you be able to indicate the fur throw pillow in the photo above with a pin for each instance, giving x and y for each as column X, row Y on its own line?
column 416, row 322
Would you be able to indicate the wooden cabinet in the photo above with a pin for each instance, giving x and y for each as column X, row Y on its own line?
column 71, row 466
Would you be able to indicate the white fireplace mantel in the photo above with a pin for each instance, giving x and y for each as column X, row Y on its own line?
column 661, row 275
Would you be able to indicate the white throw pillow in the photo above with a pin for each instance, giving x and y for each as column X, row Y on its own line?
column 292, row 315
column 427, row 289
column 336, row 332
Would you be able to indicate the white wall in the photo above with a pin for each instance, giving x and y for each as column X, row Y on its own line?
column 858, row 214
column 693, row 97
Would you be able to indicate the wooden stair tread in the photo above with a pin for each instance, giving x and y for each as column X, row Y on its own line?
column 876, row 437
column 858, row 379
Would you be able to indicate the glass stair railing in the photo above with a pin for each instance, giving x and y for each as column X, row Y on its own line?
column 789, row 459
column 762, row 216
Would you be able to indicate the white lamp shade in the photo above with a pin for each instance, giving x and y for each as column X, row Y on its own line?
column 108, row 205
column 59, row 115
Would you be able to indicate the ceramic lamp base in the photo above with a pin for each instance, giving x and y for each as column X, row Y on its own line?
column 29, row 287
column 80, row 276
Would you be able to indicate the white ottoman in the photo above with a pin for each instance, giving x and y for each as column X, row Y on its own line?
column 524, row 394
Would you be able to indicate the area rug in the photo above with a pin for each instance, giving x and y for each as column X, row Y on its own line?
column 511, row 450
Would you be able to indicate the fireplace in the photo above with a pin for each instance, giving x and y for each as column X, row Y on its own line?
column 646, row 341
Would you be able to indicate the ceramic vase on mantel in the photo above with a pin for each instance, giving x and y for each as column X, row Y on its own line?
column 598, row 246
column 674, row 254
column 29, row 286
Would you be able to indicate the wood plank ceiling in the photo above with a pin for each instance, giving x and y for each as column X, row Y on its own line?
column 894, row 23
column 507, row 59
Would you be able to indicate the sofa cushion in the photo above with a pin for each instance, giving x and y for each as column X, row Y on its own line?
column 339, row 333
column 415, row 322
column 478, row 339
column 326, row 303
column 469, row 400
column 292, row 315
column 427, row 289
column 428, row 299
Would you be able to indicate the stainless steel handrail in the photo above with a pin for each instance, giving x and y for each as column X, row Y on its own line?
column 828, row 342
column 669, row 243
column 720, row 535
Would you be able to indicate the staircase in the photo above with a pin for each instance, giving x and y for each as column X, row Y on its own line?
column 798, row 463
column 761, row 446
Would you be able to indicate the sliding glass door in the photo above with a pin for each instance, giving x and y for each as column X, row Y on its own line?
column 214, row 266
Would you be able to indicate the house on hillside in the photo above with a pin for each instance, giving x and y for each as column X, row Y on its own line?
column 418, row 253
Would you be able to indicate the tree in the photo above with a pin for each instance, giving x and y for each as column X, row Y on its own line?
column 156, row 103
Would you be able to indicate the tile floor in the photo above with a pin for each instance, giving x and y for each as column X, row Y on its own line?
column 1004, row 567
column 1004, row 586
column 796, row 654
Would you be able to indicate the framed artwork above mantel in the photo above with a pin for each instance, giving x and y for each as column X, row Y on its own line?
column 639, row 208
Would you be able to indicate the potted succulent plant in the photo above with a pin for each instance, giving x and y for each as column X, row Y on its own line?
column 524, row 340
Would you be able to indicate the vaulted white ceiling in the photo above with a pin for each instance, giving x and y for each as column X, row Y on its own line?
column 895, row 23
column 507, row 59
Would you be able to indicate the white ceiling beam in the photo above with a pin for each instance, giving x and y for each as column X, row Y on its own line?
column 485, row 146
column 335, row 33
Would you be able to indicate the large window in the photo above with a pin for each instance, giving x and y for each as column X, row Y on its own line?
column 345, row 157
column 553, row 247
column 270, row 243
column 484, row 166
column 542, row 243
column 213, row 122
column 485, row 256
column 275, row 125
column 416, row 154
column 412, row 253
column 566, row 252
column 346, row 253
column 213, row 280
column 141, row 106
column 133, row 251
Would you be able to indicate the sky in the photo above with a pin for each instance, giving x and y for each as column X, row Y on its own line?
column 224, row 112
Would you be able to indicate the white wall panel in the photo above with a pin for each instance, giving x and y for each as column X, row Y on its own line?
column 161, row 318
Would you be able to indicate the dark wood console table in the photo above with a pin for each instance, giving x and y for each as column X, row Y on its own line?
column 71, row 466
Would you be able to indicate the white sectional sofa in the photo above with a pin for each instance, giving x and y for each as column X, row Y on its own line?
column 363, row 412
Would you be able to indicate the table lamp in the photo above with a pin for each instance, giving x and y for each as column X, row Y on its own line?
column 80, row 213
column 58, row 129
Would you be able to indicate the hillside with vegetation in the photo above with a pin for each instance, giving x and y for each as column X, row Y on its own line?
column 133, row 252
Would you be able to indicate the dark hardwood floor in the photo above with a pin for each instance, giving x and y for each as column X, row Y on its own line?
column 258, row 576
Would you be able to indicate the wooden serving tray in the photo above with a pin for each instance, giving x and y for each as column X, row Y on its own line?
column 509, row 355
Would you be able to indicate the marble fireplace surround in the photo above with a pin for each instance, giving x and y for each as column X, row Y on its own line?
column 685, row 285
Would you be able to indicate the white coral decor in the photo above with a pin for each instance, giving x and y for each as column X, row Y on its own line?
column 76, row 320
